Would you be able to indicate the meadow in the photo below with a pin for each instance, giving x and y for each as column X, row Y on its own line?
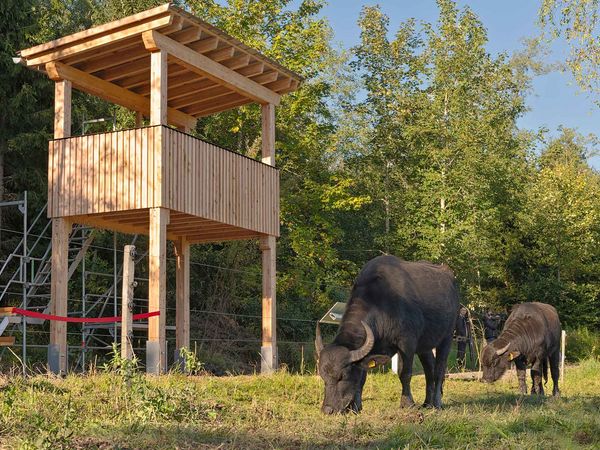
column 132, row 411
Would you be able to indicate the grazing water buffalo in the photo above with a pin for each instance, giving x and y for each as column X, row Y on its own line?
column 395, row 307
column 531, row 335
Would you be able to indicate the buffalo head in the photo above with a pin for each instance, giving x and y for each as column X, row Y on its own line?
column 344, row 372
column 496, row 361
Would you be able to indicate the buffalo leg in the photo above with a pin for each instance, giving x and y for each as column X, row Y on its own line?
column 358, row 396
column 521, row 365
column 428, row 362
column 536, row 378
column 406, row 401
column 441, row 360
column 554, row 372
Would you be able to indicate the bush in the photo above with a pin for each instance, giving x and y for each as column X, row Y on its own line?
column 582, row 343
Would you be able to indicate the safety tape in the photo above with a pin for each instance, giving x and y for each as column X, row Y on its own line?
column 38, row 315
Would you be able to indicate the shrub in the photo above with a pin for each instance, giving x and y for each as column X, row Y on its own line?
column 582, row 343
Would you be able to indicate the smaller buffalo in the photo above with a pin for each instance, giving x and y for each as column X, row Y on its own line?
column 531, row 335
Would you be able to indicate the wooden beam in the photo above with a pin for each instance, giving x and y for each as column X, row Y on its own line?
column 280, row 84
column 293, row 86
column 113, row 93
column 204, row 65
column 223, row 101
column 125, row 70
column 265, row 77
column 158, row 90
column 237, row 62
column 197, row 97
column 176, row 25
column 205, row 45
column 190, row 34
column 100, row 41
column 221, row 54
column 222, row 107
column 252, row 69
column 114, row 58
column 220, row 233
column 182, row 294
column 61, row 228
column 7, row 341
column 62, row 109
column 107, row 27
column 204, row 239
column 196, row 87
column 6, row 311
column 134, row 81
column 157, row 290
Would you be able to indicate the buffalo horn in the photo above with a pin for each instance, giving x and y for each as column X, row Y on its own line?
column 318, row 341
column 503, row 350
column 358, row 354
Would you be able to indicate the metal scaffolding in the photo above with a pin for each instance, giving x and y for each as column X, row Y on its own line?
column 25, row 283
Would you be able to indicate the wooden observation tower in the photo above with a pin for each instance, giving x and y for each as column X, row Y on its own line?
column 170, row 67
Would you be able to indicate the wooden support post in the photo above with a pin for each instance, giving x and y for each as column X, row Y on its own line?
column 563, row 343
column 61, row 228
column 269, row 310
column 57, row 351
column 157, row 291
column 182, row 294
column 127, row 302
column 62, row 109
column 158, row 88
column 268, row 247
column 139, row 119
column 268, row 134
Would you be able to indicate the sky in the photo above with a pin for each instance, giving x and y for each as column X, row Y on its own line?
column 555, row 99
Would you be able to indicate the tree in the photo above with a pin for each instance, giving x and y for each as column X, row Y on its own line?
column 561, row 228
column 577, row 22
column 443, row 162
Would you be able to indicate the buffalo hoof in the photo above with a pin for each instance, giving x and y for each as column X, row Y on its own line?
column 406, row 402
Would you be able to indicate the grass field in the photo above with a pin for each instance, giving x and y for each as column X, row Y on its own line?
column 282, row 411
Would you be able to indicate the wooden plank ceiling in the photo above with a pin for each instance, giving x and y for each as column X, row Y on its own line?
column 193, row 229
column 116, row 53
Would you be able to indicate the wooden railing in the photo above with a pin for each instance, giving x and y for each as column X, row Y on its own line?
column 161, row 167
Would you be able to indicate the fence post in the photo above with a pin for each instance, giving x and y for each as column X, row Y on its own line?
column 127, row 302
column 563, row 341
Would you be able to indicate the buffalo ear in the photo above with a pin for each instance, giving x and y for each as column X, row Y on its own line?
column 374, row 360
column 513, row 355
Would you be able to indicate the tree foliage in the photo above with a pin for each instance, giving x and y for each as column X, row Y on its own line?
column 577, row 22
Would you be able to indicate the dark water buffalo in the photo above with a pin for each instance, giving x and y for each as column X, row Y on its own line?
column 395, row 307
column 531, row 335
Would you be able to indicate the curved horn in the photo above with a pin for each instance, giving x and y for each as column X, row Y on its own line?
column 503, row 350
column 358, row 354
column 318, row 341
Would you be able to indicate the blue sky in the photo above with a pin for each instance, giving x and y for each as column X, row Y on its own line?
column 555, row 99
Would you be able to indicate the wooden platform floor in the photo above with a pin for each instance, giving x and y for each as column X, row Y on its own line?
column 194, row 229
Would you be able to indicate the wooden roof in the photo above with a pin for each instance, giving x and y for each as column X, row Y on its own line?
column 208, row 70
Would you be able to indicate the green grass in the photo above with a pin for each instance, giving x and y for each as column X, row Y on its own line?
column 282, row 411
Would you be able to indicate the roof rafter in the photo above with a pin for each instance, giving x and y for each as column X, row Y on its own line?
column 113, row 93
column 205, row 66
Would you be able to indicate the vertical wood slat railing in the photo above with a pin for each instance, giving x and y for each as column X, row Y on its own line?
column 158, row 166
